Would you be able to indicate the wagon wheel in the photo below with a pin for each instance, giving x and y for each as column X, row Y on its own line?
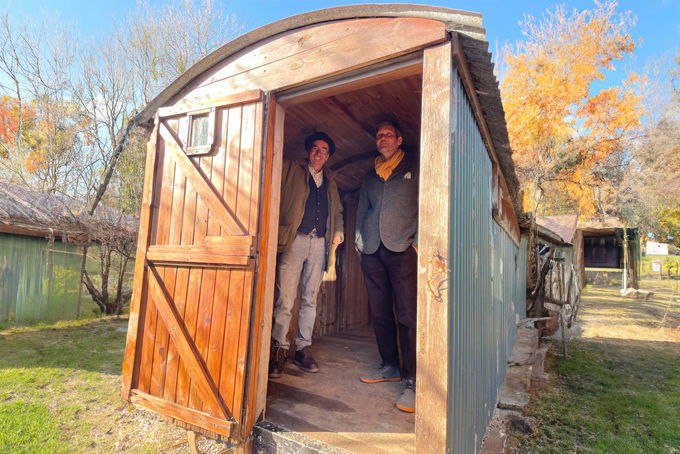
column 192, row 437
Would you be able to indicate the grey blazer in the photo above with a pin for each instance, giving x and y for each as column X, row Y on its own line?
column 388, row 210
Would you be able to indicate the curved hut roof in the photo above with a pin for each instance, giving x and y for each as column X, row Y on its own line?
column 471, row 38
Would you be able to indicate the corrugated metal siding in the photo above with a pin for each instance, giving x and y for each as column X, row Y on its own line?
column 484, row 286
column 39, row 282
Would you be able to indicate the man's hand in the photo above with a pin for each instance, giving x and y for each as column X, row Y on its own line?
column 337, row 240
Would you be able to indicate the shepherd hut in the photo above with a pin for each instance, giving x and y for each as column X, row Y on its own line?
column 199, row 334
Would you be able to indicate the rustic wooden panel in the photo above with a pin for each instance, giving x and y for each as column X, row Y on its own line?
column 209, row 198
column 196, row 317
column 150, row 325
column 227, row 99
column 230, row 357
column 312, row 53
column 190, row 317
column 201, row 380
column 199, row 254
column 433, row 354
column 179, row 298
column 248, row 207
column 175, row 282
column 208, row 203
column 270, row 216
column 132, row 350
column 170, row 409
column 503, row 211
column 354, row 310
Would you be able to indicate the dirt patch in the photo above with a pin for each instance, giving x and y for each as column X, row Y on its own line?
column 606, row 314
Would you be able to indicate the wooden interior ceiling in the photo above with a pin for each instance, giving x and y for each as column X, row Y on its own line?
column 349, row 119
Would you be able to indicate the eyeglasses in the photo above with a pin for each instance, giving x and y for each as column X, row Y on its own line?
column 316, row 149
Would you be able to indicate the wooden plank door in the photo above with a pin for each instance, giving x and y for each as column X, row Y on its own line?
column 190, row 318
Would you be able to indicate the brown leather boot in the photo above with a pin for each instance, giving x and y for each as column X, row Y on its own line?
column 277, row 363
column 305, row 361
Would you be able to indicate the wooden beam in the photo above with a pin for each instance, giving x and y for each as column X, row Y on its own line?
column 135, row 324
column 190, row 255
column 166, row 408
column 256, row 388
column 352, row 82
column 186, row 347
column 433, row 355
column 204, row 104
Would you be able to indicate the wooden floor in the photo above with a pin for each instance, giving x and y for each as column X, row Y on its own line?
column 334, row 406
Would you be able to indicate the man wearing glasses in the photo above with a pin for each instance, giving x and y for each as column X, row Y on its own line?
column 386, row 236
column 310, row 229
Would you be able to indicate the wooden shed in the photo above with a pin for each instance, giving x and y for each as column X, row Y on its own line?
column 40, row 260
column 199, row 336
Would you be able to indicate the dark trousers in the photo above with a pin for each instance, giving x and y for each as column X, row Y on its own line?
column 389, row 274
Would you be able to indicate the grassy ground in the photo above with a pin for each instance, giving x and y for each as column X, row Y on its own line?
column 619, row 389
column 671, row 262
column 60, row 393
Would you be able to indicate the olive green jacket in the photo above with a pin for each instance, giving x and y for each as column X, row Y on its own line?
column 294, row 193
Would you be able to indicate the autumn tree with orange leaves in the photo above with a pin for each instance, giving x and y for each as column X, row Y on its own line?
column 569, row 141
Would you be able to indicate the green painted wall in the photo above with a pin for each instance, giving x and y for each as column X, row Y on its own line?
column 39, row 282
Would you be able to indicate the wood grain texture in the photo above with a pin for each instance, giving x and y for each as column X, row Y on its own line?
column 225, row 100
column 206, row 191
column 187, row 349
column 311, row 53
column 265, row 296
column 173, row 410
column 130, row 372
column 151, row 317
column 204, row 208
column 433, row 353
column 197, row 255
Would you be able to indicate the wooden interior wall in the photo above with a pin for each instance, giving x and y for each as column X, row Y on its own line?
column 350, row 118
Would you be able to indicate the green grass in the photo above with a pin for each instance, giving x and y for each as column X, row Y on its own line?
column 60, row 392
column 607, row 399
column 666, row 260
column 614, row 393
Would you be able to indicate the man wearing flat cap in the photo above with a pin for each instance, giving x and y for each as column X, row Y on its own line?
column 310, row 229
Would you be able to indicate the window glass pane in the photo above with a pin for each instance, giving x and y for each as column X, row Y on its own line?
column 199, row 131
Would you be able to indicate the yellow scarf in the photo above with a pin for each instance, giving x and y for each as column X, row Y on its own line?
column 384, row 169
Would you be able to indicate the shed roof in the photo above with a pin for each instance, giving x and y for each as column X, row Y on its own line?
column 472, row 38
column 563, row 226
column 25, row 211
column 601, row 226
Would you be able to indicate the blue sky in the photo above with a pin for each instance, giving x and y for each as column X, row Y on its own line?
column 658, row 20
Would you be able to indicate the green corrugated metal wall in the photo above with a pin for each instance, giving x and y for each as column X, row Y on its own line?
column 39, row 283
column 487, row 275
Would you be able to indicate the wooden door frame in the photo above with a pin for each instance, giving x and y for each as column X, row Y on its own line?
column 261, row 317
column 437, row 140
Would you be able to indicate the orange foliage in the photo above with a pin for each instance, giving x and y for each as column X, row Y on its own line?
column 9, row 119
column 561, row 134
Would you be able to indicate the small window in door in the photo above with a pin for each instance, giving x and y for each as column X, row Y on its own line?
column 201, row 132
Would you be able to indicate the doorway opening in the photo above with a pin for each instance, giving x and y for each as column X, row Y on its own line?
column 333, row 405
